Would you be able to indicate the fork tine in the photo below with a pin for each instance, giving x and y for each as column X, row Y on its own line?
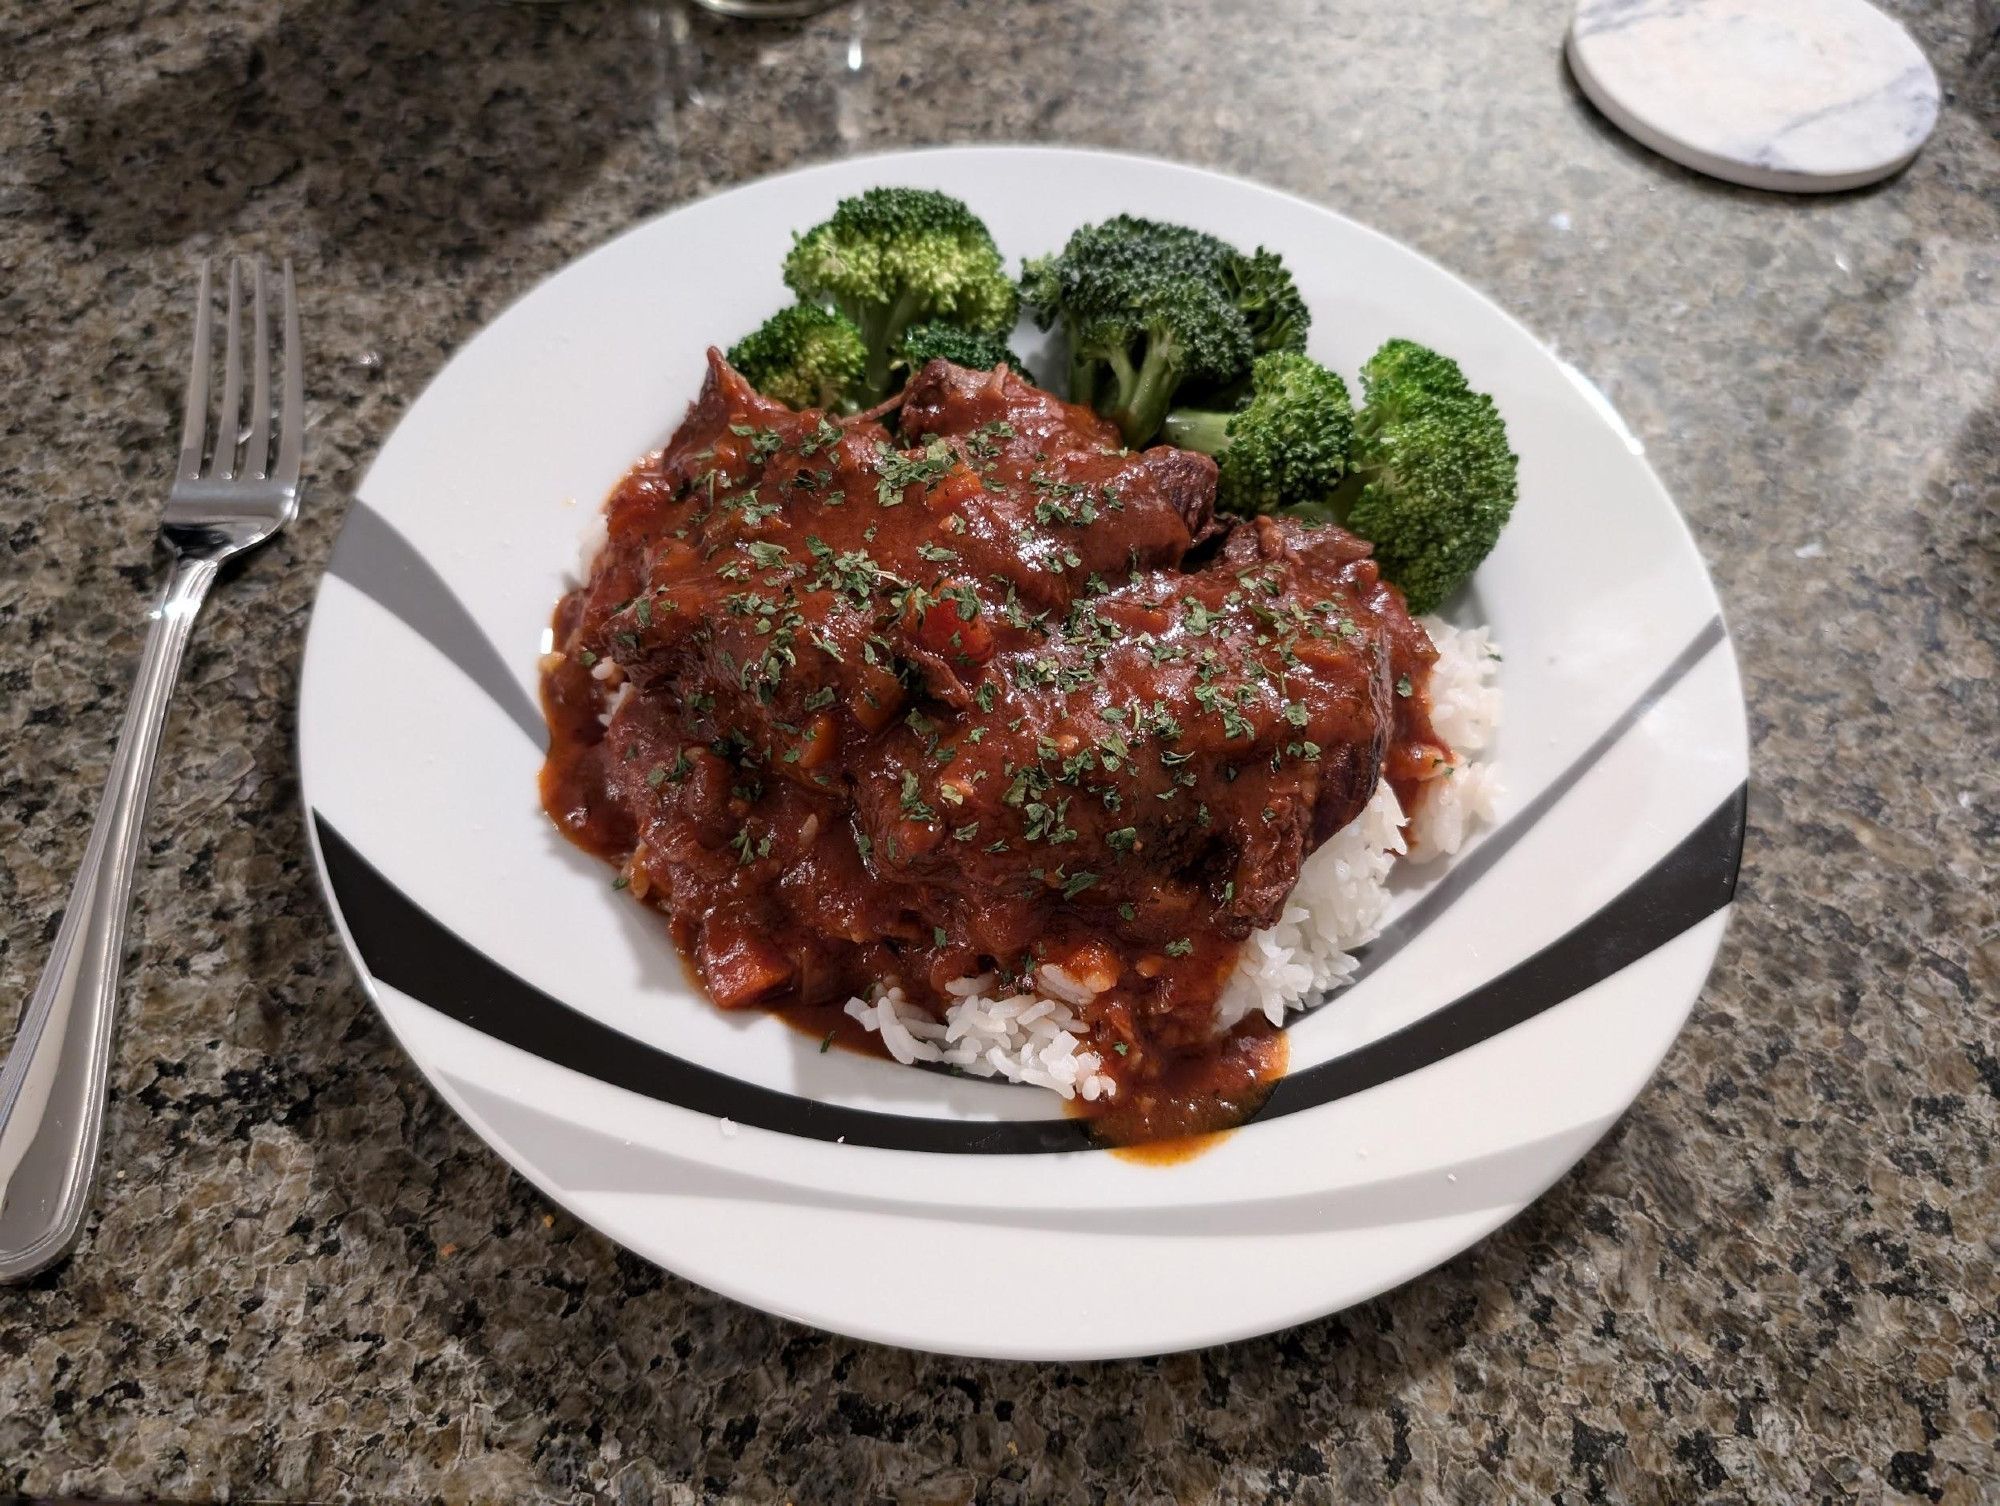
column 192, row 426
column 229, row 422
column 291, row 420
column 257, row 449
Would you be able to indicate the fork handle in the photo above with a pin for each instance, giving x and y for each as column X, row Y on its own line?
column 52, row 1087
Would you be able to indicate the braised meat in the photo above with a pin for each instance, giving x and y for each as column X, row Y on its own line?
column 982, row 692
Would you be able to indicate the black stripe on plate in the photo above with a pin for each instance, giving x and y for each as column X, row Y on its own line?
column 1468, row 868
column 1684, row 888
column 405, row 947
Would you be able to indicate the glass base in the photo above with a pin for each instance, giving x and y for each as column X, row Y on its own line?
column 765, row 10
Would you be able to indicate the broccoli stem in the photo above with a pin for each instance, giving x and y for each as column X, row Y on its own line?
column 1314, row 512
column 1083, row 380
column 872, row 319
column 904, row 310
column 1143, row 402
column 1340, row 501
column 1191, row 429
column 1123, row 380
column 882, row 326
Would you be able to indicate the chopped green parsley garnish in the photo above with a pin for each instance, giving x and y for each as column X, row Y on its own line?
column 913, row 803
column 983, row 442
column 898, row 472
column 764, row 443
column 824, row 437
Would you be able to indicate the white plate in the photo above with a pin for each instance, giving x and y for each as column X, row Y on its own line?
column 1520, row 999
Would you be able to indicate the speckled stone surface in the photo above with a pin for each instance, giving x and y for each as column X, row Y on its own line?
column 1775, row 1281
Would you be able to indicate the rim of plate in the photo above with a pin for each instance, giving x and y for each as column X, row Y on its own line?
column 1435, row 1106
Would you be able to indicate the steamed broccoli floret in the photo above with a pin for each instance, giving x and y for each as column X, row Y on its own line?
column 1402, row 369
column 1263, row 290
column 1050, row 280
column 929, row 342
column 804, row 356
column 892, row 257
column 1287, row 444
column 1430, row 481
column 1147, row 311
column 1167, row 330
column 1152, row 310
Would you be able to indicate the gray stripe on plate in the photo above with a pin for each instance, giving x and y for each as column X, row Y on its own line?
column 577, row 1159
column 386, row 567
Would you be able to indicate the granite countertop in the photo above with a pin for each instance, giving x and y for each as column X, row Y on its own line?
column 307, row 1279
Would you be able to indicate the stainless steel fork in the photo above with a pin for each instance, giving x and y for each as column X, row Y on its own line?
column 52, row 1086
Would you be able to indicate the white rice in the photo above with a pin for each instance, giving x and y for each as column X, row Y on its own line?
column 1343, row 889
column 1020, row 1037
column 1465, row 703
column 1337, row 904
column 1465, row 712
column 621, row 692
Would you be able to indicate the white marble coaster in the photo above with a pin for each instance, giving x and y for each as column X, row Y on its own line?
column 1805, row 96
